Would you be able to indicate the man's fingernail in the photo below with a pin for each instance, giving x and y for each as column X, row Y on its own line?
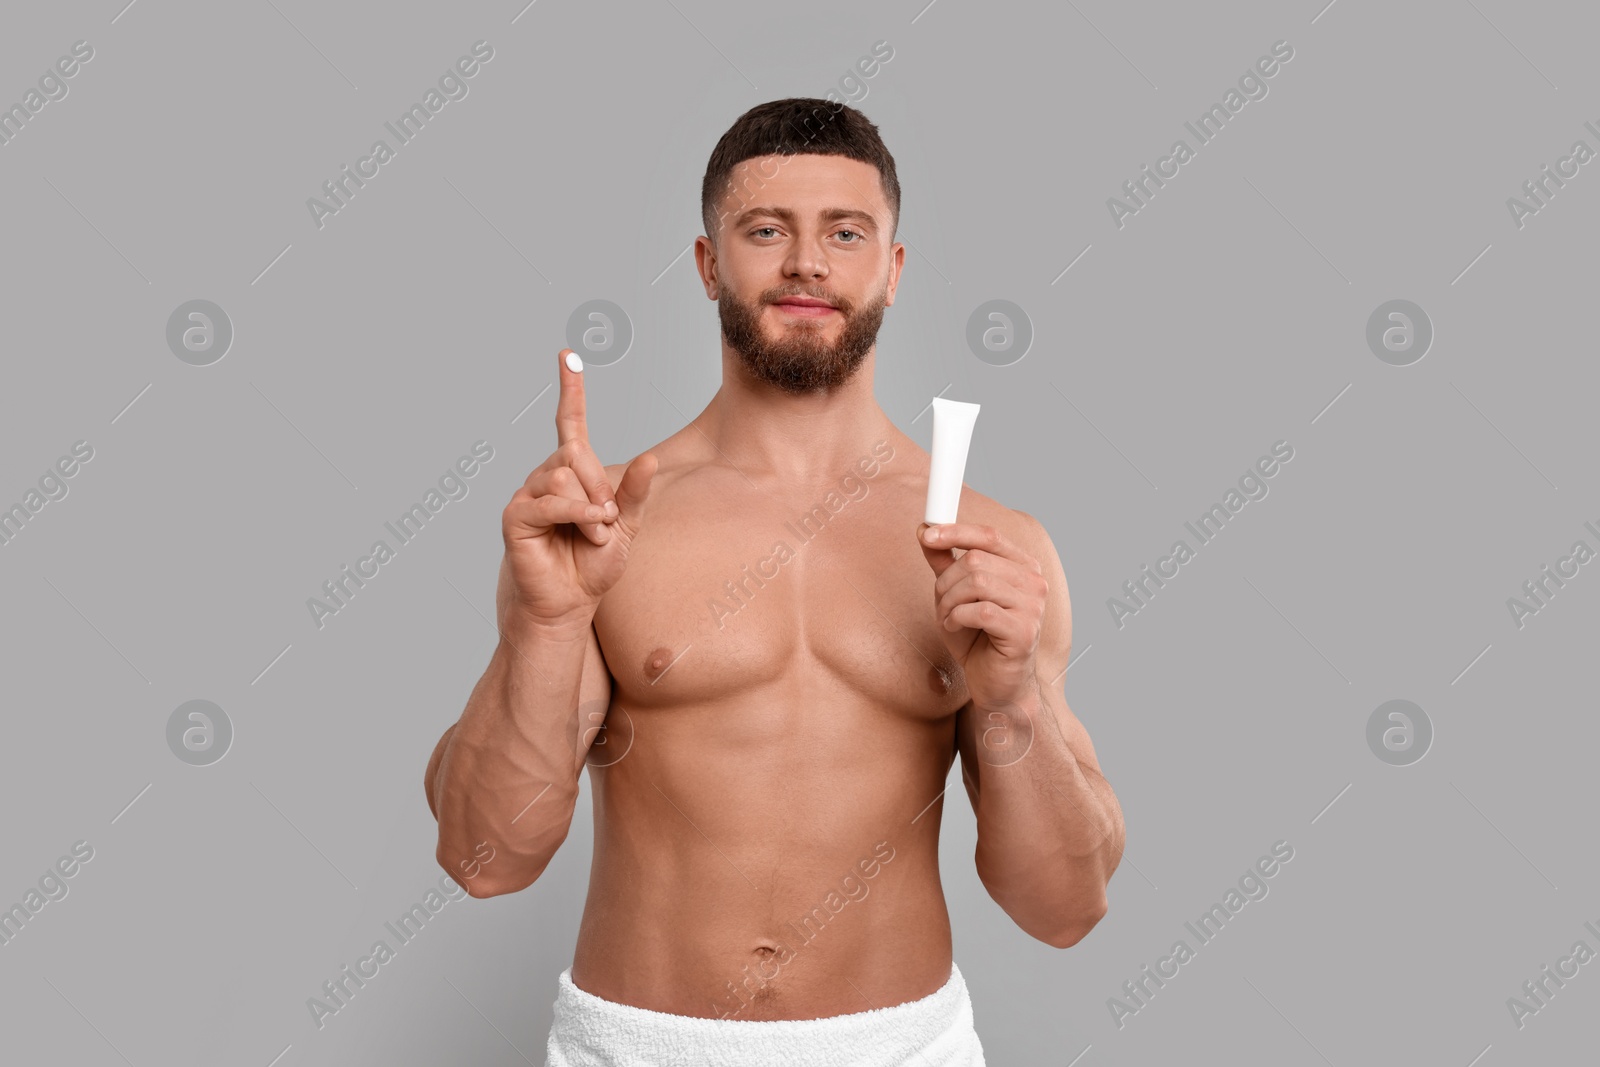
column 574, row 364
column 931, row 534
column 611, row 509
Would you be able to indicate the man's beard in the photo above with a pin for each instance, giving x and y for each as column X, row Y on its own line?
column 801, row 361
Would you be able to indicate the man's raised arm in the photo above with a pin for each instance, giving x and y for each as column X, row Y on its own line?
column 503, row 780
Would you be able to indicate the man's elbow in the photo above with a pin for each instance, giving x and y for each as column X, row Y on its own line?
column 484, row 885
column 504, row 871
column 1083, row 919
column 492, row 880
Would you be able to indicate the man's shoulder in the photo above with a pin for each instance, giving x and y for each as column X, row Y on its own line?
column 670, row 461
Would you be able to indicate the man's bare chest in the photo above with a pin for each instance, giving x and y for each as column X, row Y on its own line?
column 723, row 600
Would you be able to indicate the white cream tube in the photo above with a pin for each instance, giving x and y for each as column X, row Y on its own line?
column 952, row 433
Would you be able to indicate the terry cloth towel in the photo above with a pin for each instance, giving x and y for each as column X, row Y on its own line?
column 935, row 1031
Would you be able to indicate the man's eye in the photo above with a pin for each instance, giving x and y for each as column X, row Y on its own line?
column 763, row 229
column 851, row 232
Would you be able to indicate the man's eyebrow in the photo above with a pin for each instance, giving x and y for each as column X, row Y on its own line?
column 832, row 214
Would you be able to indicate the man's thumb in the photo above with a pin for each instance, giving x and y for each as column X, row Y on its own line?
column 938, row 558
column 633, row 492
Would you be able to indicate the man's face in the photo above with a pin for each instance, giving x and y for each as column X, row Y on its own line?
column 803, row 268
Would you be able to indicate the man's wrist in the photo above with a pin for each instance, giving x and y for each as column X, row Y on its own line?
column 1029, row 700
column 520, row 629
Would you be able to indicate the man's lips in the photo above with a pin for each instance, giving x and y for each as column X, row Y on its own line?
column 805, row 306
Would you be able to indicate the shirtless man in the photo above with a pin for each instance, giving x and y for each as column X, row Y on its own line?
column 784, row 668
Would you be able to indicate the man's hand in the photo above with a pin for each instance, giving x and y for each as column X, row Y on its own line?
column 567, row 535
column 990, row 604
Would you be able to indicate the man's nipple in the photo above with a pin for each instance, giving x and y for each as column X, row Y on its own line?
column 656, row 664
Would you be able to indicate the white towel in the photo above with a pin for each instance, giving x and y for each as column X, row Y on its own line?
column 934, row 1031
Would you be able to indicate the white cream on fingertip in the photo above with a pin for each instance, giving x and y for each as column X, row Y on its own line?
column 574, row 364
column 952, row 433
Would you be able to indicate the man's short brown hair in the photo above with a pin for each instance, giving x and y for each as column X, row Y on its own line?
column 796, row 126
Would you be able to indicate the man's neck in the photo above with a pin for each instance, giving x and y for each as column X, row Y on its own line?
column 761, row 429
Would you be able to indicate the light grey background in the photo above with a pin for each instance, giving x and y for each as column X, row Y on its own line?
column 370, row 354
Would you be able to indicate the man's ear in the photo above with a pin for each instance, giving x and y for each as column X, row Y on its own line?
column 705, row 261
column 897, row 262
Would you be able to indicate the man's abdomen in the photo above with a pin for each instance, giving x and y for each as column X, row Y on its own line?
column 774, row 864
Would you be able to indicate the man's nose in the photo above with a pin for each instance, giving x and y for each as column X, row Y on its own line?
column 806, row 260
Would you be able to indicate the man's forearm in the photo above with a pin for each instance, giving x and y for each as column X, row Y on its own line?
column 1050, row 830
column 507, row 772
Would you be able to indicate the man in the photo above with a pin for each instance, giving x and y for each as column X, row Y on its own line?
column 785, row 670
